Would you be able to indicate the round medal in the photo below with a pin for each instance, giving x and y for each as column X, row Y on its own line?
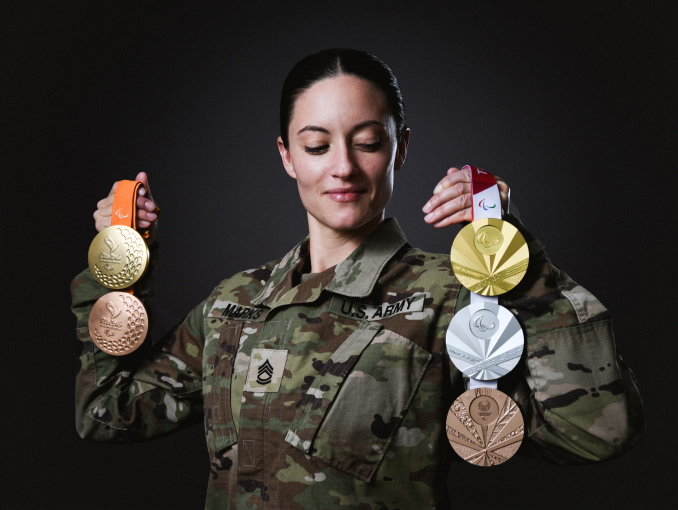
column 489, row 256
column 485, row 427
column 118, row 257
column 485, row 341
column 118, row 323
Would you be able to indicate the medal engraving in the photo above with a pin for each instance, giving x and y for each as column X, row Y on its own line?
column 488, row 240
column 118, row 323
column 118, row 257
column 484, row 324
column 485, row 427
column 489, row 257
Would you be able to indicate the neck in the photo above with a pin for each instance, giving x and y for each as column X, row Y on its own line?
column 329, row 247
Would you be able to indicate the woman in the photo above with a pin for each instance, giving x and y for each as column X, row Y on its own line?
column 323, row 378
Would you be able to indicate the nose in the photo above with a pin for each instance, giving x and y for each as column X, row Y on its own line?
column 344, row 164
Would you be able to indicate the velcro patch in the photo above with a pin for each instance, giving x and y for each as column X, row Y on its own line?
column 234, row 311
column 360, row 311
column 266, row 370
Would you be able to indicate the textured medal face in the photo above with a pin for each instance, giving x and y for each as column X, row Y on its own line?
column 485, row 341
column 118, row 323
column 485, row 427
column 118, row 257
column 489, row 257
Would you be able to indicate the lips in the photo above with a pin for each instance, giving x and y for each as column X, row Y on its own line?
column 346, row 194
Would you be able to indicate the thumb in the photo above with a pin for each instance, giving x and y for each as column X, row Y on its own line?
column 142, row 178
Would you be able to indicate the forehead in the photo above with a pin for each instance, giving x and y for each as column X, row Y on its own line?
column 340, row 101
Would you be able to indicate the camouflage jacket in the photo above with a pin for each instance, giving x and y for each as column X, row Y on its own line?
column 331, row 390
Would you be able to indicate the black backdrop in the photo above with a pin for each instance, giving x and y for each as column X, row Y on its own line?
column 573, row 103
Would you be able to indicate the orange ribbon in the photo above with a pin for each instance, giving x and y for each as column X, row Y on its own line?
column 125, row 205
column 125, row 210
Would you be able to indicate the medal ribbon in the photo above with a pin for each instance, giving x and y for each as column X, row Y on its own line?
column 125, row 210
column 486, row 204
column 125, row 205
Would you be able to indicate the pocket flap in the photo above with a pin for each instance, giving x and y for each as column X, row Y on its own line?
column 369, row 410
column 322, row 391
column 365, row 414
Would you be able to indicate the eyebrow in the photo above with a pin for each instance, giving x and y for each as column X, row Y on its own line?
column 356, row 128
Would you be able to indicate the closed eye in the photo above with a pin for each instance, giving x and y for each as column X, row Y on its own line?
column 370, row 147
column 316, row 150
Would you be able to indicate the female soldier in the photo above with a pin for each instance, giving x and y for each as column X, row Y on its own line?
column 323, row 378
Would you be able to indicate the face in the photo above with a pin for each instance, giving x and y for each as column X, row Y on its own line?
column 343, row 152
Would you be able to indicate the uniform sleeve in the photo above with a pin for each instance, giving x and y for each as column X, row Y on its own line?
column 148, row 393
column 579, row 399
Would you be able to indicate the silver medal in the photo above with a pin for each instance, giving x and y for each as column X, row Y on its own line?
column 485, row 341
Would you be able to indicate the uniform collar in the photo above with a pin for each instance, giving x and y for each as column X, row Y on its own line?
column 354, row 277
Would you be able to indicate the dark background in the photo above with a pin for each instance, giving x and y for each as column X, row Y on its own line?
column 572, row 103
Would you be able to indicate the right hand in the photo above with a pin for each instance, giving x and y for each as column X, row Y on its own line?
column 146, row 215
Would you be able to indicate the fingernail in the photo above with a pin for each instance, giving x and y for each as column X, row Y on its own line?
column 427, row 207
column 150, row 206
column 429, row 217
column 151, row 216
column 142, row 192
column 437, row 189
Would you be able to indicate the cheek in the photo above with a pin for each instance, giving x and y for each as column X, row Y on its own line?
column 386, row 191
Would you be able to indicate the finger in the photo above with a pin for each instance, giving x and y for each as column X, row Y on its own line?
column 501, row 184
column 142, row 177
column 146, row 216
column 442, row 183
column 450, row 208
column 504, row 193
column 458, row 217
column 145, row 204
column 446, row 195
column 105, row 203
column 112, row 192
column 101, row 222
column 143, row 224
column 454, row 175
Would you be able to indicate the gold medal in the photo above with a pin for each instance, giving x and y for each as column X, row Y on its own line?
column 118, row 323
column 489, row 256
column 118, row 257
column 485, row 427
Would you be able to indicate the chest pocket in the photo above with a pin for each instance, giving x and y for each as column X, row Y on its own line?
column 353, row 408
column 218, row 358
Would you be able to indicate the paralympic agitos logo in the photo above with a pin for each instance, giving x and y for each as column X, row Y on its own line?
column 485, row 206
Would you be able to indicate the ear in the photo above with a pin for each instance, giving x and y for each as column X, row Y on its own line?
column 401, row 149
column 286, row 160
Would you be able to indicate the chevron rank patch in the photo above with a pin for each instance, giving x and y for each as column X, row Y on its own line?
column 266, row 370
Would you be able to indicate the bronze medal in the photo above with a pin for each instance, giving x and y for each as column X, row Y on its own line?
column 118, row 257
column 485, row 427
column 489, row 256
column 118, row 323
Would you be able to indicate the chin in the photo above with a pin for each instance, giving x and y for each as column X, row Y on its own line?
column 350, row 221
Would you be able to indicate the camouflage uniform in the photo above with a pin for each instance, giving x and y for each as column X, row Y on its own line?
column 331, row 390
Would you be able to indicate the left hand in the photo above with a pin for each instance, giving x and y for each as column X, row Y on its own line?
column 451, row 201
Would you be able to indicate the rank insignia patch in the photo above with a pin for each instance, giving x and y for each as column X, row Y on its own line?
column 266, row 370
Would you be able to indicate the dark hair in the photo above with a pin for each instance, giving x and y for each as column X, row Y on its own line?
column 335, row 62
